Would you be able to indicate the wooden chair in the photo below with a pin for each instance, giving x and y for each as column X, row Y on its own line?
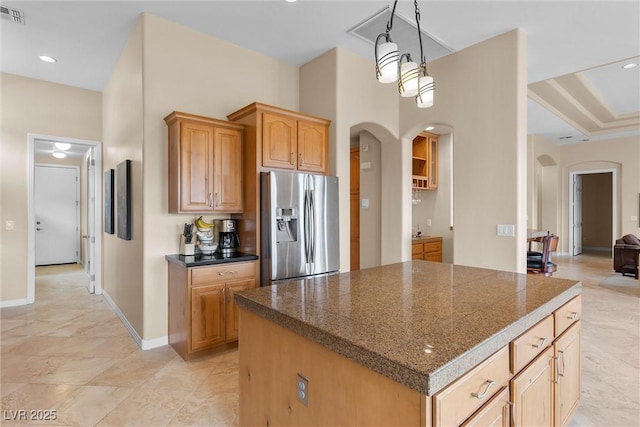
column 540, row 262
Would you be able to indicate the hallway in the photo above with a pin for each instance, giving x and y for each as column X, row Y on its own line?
column 69, row 353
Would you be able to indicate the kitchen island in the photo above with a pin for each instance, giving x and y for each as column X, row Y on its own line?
column 413, row 343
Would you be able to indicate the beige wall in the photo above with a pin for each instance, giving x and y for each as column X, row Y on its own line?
column 123, row 140
column 621, row 155
column 436, row 205
column 38, row 107
column 596, row 210
column 370, row 184
column 189, row 71
column 481, row 93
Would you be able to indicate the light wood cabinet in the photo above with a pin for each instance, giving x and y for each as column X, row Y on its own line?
column 531, row 392
column 205, row 164
column 287, row 139
column 425, row 162
column 275, row 139
column 567, row 385
column 427, row 248
column 202, row 313
column 495, row 413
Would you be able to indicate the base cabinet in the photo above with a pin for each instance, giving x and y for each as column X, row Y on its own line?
column 496, row 413
column 531, row 392
column 202, row 313
column 567, row 383
column 427, row 248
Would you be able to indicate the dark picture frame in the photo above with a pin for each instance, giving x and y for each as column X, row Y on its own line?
column 108, row 201
column 123, row 185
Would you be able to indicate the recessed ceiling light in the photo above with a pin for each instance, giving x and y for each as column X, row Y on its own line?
column 290, row 1
column 46, row 58
column 430, row 128
column 62, row 146
column 629, row 65
column 59, row 155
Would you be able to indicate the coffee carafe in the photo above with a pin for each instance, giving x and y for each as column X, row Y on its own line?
column 228, row 240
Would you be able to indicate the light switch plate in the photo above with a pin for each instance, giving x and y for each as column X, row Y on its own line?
column 365, row 203
column 506, row 230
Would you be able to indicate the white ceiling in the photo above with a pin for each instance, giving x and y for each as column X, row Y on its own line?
column 564, row 37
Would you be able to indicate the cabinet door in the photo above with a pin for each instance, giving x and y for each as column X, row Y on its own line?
column 279, row 145
column 232, row 311
column 495, row 413
column 207, row 316
column 312, row 147
column 567, row 395
column 416, row 251
column 432, row 167
column 531, row 392
column 196, row 167
column 227, row 154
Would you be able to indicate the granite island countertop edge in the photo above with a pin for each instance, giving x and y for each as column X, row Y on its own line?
column 427, row 383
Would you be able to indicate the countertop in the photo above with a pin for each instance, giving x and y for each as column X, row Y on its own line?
column 422, row 324
column 204, row 260
column 426, row 239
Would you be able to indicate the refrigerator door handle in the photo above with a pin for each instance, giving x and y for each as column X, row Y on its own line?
column 312, row 212
column 306, row 225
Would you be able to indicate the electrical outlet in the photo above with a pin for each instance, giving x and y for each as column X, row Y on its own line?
column 9, row 225
column 303, row 390
column 429, row 223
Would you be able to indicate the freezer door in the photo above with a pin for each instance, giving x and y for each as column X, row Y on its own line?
column 322, row 221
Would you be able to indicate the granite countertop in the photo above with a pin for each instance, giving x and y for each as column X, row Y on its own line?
column 422, row 324
column 203, row 260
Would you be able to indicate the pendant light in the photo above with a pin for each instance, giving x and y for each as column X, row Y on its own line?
column 413, row 79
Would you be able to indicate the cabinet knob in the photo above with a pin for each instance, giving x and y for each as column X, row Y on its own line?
column 210, row 200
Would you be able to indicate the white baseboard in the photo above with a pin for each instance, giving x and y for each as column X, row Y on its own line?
column 13, row 303
column 143, row 344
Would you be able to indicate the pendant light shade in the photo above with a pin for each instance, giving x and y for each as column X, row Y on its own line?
column 413, row 79
column 386, row 60
column 409, row 73
column 426, row 89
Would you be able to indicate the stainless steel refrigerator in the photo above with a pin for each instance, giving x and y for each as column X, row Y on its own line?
column 299, row 226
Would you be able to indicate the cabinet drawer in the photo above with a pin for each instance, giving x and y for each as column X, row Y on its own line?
column 527, row 346
column 463, row 397
column 222, row 273
column 567, row 315
column 416, row 248
column 495, row 413
column 433, row 247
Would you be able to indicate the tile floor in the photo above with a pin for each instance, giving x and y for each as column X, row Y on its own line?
column 69, row 352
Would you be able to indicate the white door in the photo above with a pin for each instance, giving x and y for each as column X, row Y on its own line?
column 57, row 214
column 577, row 214
column 91, row 233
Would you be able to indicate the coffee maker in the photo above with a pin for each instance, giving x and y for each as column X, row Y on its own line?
column 228, row 240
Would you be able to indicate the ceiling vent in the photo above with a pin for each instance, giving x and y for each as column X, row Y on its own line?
column 13, row 15
column 404, row 33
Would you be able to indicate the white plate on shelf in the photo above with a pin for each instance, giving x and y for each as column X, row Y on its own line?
column 208, row 249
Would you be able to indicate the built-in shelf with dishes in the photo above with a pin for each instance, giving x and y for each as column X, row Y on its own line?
column 425, row 162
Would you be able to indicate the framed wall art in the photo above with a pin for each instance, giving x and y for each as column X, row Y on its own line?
column 123, row 183
column 108, row 201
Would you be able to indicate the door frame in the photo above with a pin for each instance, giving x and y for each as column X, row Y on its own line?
column 78, row 207
column 31, row 221
column 614, row 203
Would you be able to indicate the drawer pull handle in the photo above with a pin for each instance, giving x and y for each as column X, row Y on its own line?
column 486, row 390
column 542, row 342
column 224, row 273
column 573, row 315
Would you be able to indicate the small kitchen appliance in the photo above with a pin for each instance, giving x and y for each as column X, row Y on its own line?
column 228, row 240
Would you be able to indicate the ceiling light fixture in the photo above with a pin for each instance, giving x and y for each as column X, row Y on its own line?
column 59, row 155
column 430, row 128
column 629, row 65
column 413, row 79
column 290, row 1
column 63, row 146
column 46, row 58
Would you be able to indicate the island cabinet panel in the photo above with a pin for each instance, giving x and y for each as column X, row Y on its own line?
column 468, row 393
column 566, row 315
column 202, row 312
column 532, row 392
column 340, row 391
column 567, row 386
column 496, row 412
column 205, row 164
column 528, row 345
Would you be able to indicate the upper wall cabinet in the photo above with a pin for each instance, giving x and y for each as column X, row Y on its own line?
column 205, row 164
column 425, row 162
column 286, row 139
